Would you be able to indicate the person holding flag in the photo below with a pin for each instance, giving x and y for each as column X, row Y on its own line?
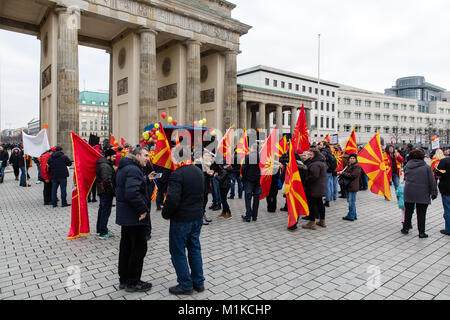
column 251, row 177
column 443, row 172
column 352, row 172
column 393, row 165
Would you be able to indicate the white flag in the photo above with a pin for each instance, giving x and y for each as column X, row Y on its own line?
column 35, row 146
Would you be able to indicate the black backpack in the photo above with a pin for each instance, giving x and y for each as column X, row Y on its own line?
column 331, row 162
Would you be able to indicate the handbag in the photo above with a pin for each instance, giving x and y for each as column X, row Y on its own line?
column 344, row 182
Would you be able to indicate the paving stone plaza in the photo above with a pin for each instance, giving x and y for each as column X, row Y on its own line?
column 242, row 261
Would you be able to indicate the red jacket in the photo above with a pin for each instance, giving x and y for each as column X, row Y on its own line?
column 45, row 174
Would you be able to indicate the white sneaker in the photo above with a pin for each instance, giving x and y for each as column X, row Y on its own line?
column 38, row 182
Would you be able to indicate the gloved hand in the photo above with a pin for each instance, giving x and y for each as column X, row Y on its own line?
column 433, row 197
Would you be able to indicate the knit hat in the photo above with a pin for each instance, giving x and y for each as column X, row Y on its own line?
column 354, row 155
column 109, row 153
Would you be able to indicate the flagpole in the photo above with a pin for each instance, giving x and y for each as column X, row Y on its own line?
column 318, row 91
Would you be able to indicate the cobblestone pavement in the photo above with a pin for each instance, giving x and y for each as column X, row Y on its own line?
column 260, row 260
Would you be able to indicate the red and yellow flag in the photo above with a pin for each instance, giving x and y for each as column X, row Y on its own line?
column 373, row 164
column 327, row 138
column 300, row 140
column 295, row 194
column 435, row 162
column 114, row 143
column 242, row 147
column 282, row 147
column 163, row 154
column 225, row 146
column 155, row 193
column 85, row 162
column 351, row 144
column 122, row 141
column 339, row 159
column 266, row 163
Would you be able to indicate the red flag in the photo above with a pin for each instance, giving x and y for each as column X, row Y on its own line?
column 122, row 141
column 351, row 144
column 155, row 193
column 242, row 147
column 295, row 194
column 114, row 143
column 327, row 138
column 266, row 164
column 163, row 154
column 300, row 140
column 85, row 163
column 282, row 147
column 372, row 162
column 225, row 147
column 339, row 160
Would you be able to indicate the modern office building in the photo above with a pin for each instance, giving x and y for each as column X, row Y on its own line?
column 94, row 114
column 34, row 126
column 417, row 88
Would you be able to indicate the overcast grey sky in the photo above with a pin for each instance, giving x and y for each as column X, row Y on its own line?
column 365, row 43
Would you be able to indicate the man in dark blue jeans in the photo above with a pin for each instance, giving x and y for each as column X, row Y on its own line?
column 105, row 177
column 251, row 176
column 184, row 209
column 58, row 164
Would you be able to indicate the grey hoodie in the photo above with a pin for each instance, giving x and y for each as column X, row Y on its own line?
column 420, row 184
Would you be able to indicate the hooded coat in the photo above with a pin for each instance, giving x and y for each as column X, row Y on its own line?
column 58, row 164
column 132, row 195
column 420, row 184
column 316, row 179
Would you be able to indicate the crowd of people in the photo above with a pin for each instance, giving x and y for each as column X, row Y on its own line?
column 182, row 195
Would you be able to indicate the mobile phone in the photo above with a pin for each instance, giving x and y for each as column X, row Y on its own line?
column 158, row 176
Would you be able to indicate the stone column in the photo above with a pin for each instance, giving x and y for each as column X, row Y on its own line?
column 110, row 114
column 262, row 115
column 67, row 78
column 230, row 115
column 294, row 119
column 308, row 118
column 148, row 91
column 193, row 112
column 280, row 119
column 267, row 126
column 243, row 115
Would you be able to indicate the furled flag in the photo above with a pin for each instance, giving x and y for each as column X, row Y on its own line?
column 266, row 163
column 35, row 146
column 282, row 147
column 327, row 138
column 85, row 162
column 372, row 162
column 351, row 144
column 300, row 140
column 295, row 195
column 242, row 147
column 225, row 146
column 114, row 143
column 155, row 193
column 339, row 160
column 163, row 154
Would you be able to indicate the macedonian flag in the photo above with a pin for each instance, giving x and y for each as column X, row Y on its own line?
column 339, row 160
column 295, row 195
column 225, row 146
column 372, row 162
column 327, row 138
column 300, row 140
column 266, row 164
column 114, row 143
column 351, row 144
column 282, row 147
column 242, row 147
column 163, row 154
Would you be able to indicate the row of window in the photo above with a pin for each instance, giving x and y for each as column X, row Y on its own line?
column 377, row 104
column 290, row 86
column 375, row 129
column 87, row 134
column 93, row 102
column 94, row 109
column 322, row 106
column 387, row 117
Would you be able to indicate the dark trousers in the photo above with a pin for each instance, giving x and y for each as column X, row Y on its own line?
column 421, row 214
column 252, row 191
column 47, row 192
column 59, row 183
column 272, row 200
column 104, row 211
column 316, row 208
column 223, row 199
column 133, row 248
column 16, row 171
column 182, row 236
column 93, row 193
column 162, row 190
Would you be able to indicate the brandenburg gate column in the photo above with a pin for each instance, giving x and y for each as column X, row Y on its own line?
column 243, row 115
column 279, row 111
column 262, row 115
column 230, row 116
column 148, row 91
column 308, row 118
column 293, row 119
column 67, row 77
column 193, row 112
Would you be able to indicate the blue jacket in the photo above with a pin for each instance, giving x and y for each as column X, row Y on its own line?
column 132, row 195
column 58, row 164
column 400, row 192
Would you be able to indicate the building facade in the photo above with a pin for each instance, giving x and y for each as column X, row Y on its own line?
column 323, row 98
column 34, row 126
column 94, row 114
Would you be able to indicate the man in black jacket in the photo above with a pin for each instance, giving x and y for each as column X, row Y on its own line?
column 443, row 172
column 106, row 190
column 251, row 176
column 4, row 157
column 132, row 214
column 58, row 164
column 184, row 209
column 331, row 162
